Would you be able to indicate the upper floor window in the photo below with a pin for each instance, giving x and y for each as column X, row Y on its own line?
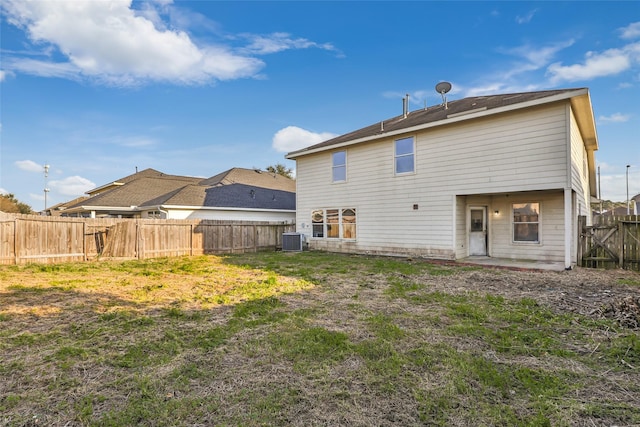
column 526, row 222
column 339, row 166
column 404, row 156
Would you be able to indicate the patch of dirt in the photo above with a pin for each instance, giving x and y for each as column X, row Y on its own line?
column 589, row 292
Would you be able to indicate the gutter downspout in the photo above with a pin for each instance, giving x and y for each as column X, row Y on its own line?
column 166, row 213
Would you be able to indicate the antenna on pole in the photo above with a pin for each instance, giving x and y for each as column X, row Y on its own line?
column 46, row 190
column 599, row 191
column 443, row 88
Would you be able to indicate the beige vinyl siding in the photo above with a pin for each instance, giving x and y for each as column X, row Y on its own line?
column 579, row 170
column 579, row 181
column 513, row 152
column 551, row 245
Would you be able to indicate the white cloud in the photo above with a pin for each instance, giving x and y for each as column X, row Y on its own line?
column 417, row 97
column 3, row 75
column 511, row 78
column 109, row 41
column 3, row 191
column 614, row 182
column 500, row 87
column 531, row 58
column 42, row 68
column 614, row 118
column 294, row 138
column 134, row 141
column 609, row 62
column 526, row 18
column 632, row 31
column 29, row 166
column 278, row 42
column 540, row 56
column 72, row 186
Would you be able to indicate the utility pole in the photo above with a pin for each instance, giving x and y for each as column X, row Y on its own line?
column 46, row 190
column 628, row 212
column 599, row 191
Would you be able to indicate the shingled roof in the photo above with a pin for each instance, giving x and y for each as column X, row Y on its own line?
column 235, row 188
column 255, row 177
column 147, row 173
column 457, row 110
column 139, row 191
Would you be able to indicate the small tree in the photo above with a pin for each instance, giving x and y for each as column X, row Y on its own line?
column 9, row 204
column 280, row 169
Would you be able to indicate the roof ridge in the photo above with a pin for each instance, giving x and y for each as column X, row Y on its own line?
column 434, row 114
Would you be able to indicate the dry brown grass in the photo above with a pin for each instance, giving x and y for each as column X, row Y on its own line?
column 314, row 339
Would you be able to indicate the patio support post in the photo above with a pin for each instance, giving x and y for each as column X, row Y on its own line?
column 568, row 228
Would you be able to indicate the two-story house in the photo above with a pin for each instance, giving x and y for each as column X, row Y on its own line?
column 502, row 176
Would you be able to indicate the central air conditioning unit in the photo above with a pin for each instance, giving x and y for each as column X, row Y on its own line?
column 292, row 242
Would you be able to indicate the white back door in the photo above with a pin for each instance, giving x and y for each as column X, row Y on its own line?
column 478, row 231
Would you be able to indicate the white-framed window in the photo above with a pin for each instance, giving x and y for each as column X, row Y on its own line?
column 339, row 166
column 404, row 156
column 317, row 223
column 526, row 222
column 335, row 223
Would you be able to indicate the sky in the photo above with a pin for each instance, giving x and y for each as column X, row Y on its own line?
column 97, row 89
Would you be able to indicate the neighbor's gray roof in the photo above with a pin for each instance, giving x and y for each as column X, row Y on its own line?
column 146, row 173
column 138, row 191
column 227, row 196
column 438, row 113
column 255, row 177
column 236, row 187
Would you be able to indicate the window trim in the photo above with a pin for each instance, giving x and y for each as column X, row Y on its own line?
column 334, row 167
column 396, row 156
column 538, row 223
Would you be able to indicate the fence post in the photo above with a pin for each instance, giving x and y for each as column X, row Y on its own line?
column 15, row 241
column 191, row 239
column 138, row 242
column 255, row 238
column 581, row 224
column 84, row 239
column 620, row 227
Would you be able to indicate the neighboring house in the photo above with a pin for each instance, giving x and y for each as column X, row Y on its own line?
column 58, row 210
column 504, row 176
column 633, row 205
column 622, row 210
column 236, row 194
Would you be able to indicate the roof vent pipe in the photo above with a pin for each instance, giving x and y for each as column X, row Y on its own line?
column 404, row 107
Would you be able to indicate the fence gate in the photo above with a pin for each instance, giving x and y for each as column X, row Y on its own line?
column 610, row 242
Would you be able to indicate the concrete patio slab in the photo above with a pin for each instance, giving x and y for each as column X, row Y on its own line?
column 511, row 263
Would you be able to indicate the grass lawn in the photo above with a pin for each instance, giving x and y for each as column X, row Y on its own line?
column 311, row 339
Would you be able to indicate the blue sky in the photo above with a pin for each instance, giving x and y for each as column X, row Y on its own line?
column 96, row 89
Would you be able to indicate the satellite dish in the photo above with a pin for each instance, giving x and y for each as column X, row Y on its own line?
column 443, row 87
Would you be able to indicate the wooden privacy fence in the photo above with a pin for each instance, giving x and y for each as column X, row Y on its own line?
column 39, row 239
column 610, row 242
